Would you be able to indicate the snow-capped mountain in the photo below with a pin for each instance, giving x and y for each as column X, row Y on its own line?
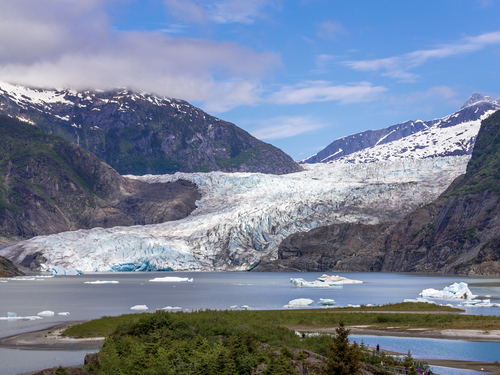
column 451, row 135
column 243, row 217
column 139, row 133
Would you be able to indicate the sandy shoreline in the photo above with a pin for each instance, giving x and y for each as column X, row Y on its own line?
column 50, row 338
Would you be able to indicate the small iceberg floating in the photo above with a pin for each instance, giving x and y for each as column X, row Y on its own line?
column 323, row 281
column 299, row 302
column 46, row 313
column 171, row 279
column 455, row 291
column 97, row 282
column 64, row 313
column 139, row 307
column 171, row 308
column 13, row 316
column 326, row 302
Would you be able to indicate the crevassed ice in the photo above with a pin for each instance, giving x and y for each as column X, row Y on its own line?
column 243, row 217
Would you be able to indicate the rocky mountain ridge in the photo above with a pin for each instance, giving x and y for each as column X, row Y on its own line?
column 48, row 185
column 451, row 135
column 139, row 133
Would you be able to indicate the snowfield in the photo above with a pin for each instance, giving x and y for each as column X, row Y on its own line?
column 243, row 217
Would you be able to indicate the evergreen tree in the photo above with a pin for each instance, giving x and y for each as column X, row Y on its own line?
column 343, row 359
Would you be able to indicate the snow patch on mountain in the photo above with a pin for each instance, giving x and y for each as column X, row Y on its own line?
column 432, row 142
column 243, row 217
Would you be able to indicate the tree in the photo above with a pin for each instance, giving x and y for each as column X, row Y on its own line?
column 343, row 358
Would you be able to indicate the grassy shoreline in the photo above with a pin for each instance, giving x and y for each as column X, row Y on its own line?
column 408, row 315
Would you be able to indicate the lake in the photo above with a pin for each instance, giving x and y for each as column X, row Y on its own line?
column 212, row 290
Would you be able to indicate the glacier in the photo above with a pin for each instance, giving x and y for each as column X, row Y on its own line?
column 243, row 217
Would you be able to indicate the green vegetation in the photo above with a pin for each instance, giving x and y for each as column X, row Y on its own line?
column 483, row 170
column 313, row 319
column 222, row 343
column 26, row 151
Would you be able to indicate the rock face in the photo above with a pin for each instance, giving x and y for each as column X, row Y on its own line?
column 319, row 249
column 48, row 185
column 8, row 269
column 139, row 133
column 457, row 233
column 451, row 135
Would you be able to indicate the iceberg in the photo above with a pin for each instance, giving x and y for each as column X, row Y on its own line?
column 101, row 282
column 299, row 302
column 326, row 302
column 64, row 313
column 46, row 313
column 171, row 308
column 20, row 317
column 139, row 307
column 324, row 281
column 11, row 315
column 479, row 303
column 171, row 279
column 336, row 279
column 455, row 291
column 61, row 271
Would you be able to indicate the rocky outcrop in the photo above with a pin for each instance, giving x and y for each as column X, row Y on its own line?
column 48, row 185
column 139, row 133
column 319, row 249
column 8, row 269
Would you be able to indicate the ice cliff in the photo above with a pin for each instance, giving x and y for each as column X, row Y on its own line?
column 243, row 217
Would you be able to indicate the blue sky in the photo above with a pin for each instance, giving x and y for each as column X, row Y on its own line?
column 297, row 74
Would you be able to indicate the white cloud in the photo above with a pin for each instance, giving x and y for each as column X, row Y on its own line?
column 223, row 11
column 398, row 66
column 330, row 30
column 324, row 91
column 70, row 43
column 286, row 127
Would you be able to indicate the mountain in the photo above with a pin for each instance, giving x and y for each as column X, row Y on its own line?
column 140, row 133
column 48, row 185
column 458, row 233
column 451, row 135
column 242, row 218
column 8, row 269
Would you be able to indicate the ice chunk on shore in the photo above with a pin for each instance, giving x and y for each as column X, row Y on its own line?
column 64, row 313
column 336, row 278
column 139, row 307
column 101, row 282
column 299, row 302
column 326, row 302
column 61, row 271
column 171, row 279
column 46, row 313
column 455, row 291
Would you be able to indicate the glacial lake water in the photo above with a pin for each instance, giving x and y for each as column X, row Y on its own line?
column 213, row 290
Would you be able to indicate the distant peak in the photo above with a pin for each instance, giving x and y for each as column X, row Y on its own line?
column 476, row 97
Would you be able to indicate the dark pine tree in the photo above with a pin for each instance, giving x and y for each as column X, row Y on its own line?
column 343, row 358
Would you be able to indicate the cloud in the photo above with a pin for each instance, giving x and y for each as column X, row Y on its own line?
column 286, row 127
column 330, row 30
column 398, row 66
column 324, row 91
column 70, row 43
column 221, row 12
